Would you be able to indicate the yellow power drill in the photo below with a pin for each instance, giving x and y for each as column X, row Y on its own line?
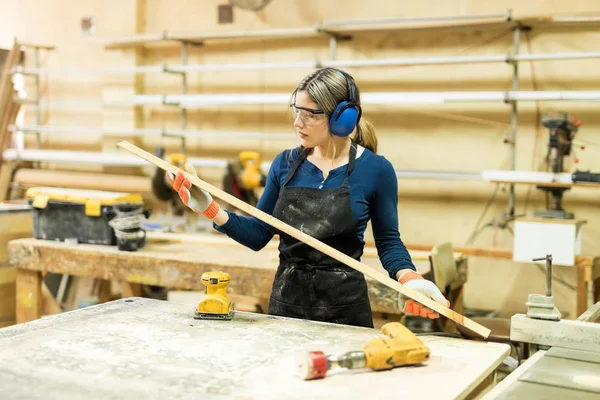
column 215, row 304
column 400, row 347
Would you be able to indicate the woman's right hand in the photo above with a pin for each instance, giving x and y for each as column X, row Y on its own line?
column 198, row 200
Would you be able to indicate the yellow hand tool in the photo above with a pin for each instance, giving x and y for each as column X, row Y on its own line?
column 215, row 304
column 400, row 347
column 251, row 176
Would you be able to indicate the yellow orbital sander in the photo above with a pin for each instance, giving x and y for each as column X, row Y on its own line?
column 215, row 304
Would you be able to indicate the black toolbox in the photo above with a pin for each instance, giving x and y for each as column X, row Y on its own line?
column 85, row 216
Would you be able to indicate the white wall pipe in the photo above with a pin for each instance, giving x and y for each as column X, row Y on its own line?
column 128, row 160
column 85, row 130
column 87, row 71
column 556, row 56
column 151, row 132
column 102, row 158
column 381, row 62
column 368, row 98
column 207, row 100
column 231, row 134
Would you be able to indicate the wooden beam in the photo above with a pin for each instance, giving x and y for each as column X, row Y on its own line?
column 29, row 295
column 311, row 241
column 592, row 313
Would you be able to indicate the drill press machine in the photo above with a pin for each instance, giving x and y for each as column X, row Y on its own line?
column 562, row 131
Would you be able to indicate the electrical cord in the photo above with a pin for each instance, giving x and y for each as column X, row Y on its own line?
column 477, row 230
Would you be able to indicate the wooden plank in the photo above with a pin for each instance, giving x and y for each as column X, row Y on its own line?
column 408, row 25
column 37, row 45
column 170, row 355
column 6, row 175
column 564, row 333
column 29, row 295
column 6, row 96
column 314, row 243
column 591, row 314
column 581, row 292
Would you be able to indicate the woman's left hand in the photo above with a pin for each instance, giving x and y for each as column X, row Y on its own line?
column 415, row 281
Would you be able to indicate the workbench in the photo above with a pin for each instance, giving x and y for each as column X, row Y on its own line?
column 152, row 349
column 176, row 265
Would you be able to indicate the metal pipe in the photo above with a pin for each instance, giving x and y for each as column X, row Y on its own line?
column 87, row 71
column 38, row 95
column 152, row 132
column 514, row 121
column 230, row 134
column 121, row 159
column 184, row 60
column 369, row 98
column 332, row 47
column 88, row 157
column 311, row 64
column 556, row 56
column 444, row 175
column 85, row 129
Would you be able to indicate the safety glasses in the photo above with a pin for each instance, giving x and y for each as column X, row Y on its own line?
column 308, row 116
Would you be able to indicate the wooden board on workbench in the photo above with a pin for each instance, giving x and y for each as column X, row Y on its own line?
column 144, row 348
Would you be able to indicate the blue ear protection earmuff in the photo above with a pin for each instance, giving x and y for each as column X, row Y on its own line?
column 347, row 114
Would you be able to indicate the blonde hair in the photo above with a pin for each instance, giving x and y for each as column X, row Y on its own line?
column 328, row 87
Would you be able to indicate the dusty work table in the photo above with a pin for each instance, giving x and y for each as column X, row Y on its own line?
column 152, row 349
column 177, row 265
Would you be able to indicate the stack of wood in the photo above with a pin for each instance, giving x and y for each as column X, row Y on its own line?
column 8, row 108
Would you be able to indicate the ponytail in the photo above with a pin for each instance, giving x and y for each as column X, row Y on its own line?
column 365, row 135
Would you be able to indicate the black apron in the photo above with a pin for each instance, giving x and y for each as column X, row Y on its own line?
column 309, row 284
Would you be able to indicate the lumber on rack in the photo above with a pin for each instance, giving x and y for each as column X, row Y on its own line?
column 311, row 241
column 8, row 109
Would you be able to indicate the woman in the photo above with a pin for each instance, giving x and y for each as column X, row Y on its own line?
column 329, row 187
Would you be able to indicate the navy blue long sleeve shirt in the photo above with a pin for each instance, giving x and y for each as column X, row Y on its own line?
column 373, row 194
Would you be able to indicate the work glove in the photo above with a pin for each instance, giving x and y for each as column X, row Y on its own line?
column 415, row 281
column 198, row 200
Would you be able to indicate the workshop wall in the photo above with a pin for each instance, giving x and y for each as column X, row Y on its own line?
column 465, row 137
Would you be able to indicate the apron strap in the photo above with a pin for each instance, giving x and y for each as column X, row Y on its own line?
column 296, row 165
column 299, row 160
column 351, row 161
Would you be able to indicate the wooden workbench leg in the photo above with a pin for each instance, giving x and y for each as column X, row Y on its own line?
column 129, row 289
column 29, row 295
column 581, row 290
